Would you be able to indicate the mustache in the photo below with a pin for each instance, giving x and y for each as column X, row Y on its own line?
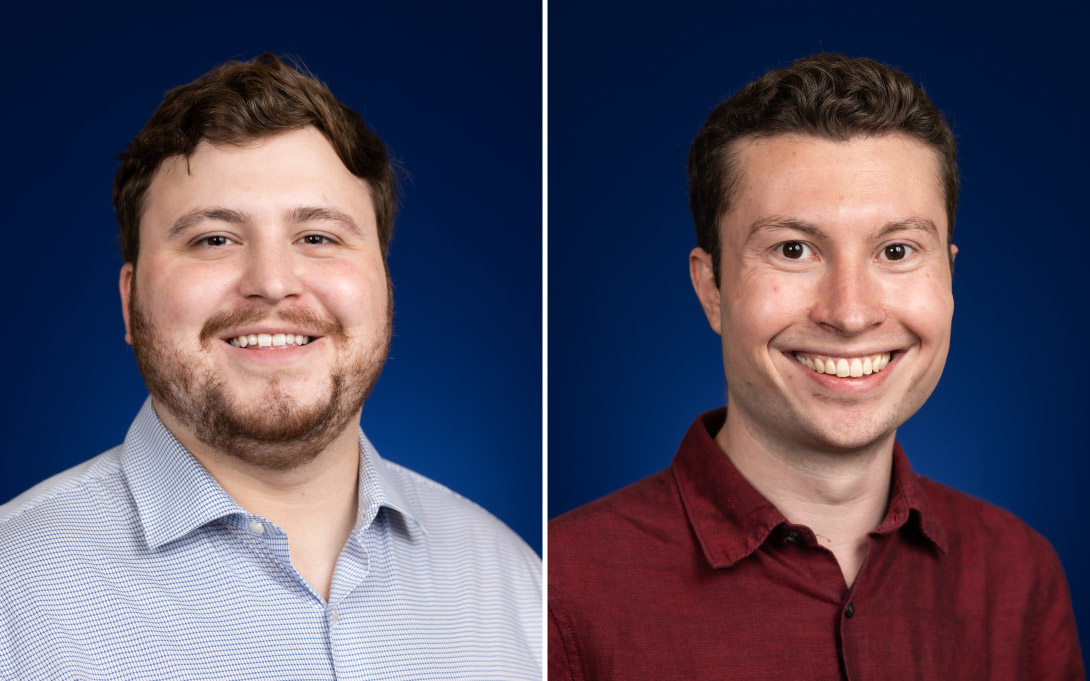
column 240, row 316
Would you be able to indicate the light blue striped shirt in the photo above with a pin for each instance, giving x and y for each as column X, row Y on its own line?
column 138, row 565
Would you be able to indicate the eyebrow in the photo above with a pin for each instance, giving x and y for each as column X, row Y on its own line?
column 237, row 217
column 323, row 214
column 196, row 217
column 778, row 223
column 908, row 224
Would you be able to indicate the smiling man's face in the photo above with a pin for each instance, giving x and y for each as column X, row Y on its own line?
column 834, row 262
column 273, row 242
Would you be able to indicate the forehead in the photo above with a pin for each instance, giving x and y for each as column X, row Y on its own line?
column 865, row 180
column 269, row 175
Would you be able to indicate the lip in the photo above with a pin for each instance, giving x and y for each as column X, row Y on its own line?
column 848, row 386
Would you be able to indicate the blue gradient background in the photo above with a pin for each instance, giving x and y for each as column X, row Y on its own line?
column 632, row 360
column 456, row 94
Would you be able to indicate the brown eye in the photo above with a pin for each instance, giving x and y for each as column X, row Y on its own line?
column 896, row 252
column 792, row 249
column 315, row 239
column 218, row 240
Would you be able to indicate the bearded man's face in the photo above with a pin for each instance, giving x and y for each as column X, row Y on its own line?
column 260, row 310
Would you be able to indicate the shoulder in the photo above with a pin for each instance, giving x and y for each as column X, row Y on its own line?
column 973, row 524
column 618, row 524
column 467, row 552
column 57, row 528
column 997, row 561
column 990, row 545
column 613, row 563
column 64, row 493
column 448, row 517
column 626, row 506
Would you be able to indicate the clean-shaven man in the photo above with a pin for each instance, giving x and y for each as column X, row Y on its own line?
column 790, row 539
column 246, row 528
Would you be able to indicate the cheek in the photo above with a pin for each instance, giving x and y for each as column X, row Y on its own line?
column 352, row 291
column 182, row 296
column 761, row 305
column 925, row 305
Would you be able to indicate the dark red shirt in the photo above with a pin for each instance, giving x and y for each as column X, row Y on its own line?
column 692, row 574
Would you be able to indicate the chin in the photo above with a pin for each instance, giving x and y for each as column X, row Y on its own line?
column 272, row 401
column 276, row 431
column 840, row 442
column 851, row 433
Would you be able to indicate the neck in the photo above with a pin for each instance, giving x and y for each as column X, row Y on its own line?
column 323, row 480
column 841, row 495
column 315, row 502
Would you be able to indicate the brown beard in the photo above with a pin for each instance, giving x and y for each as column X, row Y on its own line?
column 275, row 433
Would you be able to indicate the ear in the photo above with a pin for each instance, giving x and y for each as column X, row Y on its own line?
column 953, row 252
column 703, row 276
column 125, row 287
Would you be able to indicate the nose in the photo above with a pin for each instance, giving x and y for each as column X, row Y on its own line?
column 270, row 272
column 850, row 300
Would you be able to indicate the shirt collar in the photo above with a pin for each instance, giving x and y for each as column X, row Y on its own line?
column 909, row 504
column 172, row 491
column 731, row 518
column 380, row 488
column 174, row 494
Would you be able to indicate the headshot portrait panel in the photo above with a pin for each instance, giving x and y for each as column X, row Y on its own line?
column 632, row 360
column 313, row 202
column 455, row 95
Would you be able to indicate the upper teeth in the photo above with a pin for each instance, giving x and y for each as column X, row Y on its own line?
column 845, row 366
column 265, row 340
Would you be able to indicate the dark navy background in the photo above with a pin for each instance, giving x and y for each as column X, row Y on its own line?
column 456, row 94
column 632, row 360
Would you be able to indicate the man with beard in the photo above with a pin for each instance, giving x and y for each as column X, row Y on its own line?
column 246, row 528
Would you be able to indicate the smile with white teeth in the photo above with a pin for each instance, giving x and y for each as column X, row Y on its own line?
column 844, row 367
column 266, row 340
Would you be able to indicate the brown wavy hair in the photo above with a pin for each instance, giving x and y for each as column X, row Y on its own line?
column 238, row 102
column 828, row 96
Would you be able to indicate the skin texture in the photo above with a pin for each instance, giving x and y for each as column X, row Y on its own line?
column 276, row 427
column 821, row 447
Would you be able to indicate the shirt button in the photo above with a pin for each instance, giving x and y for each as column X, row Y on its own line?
column 849, row 611
column 792, row 537
column 336, row 616
column 257, row 527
